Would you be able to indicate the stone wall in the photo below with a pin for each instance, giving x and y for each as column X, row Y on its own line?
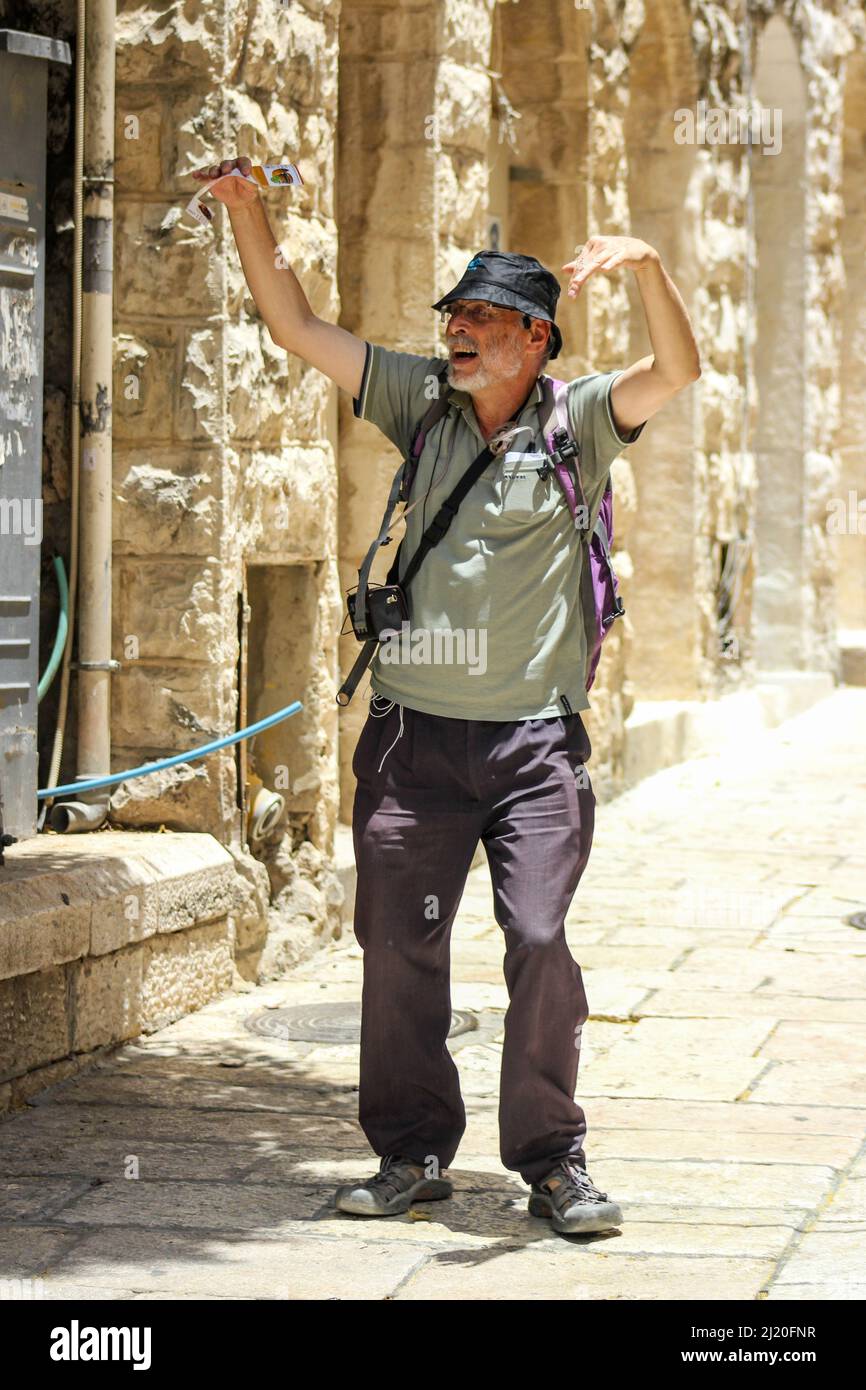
column 226, row 604
column 223, row 455
column 111, row 937
column 849, row 543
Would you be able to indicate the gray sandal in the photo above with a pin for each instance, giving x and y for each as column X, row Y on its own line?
column 571, row 1200
column 392, row 1190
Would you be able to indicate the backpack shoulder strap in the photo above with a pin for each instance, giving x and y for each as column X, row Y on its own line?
column 437, row 408
column 554, row 415
column 555, row 405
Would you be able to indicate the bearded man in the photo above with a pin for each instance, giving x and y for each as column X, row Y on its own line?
column 451, row 755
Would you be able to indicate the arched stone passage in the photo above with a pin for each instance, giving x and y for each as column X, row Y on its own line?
column 664, row 599
column 780, row 366
column 850, row 544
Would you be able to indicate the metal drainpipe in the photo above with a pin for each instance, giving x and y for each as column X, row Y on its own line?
column 94, row 616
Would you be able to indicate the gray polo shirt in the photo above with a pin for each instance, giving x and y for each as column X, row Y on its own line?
column 495, row 628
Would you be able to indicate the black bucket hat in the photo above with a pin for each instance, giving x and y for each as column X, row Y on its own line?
column 515, row 282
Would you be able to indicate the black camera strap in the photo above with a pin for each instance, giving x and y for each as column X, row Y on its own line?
column 442, row 520
column 431, row 537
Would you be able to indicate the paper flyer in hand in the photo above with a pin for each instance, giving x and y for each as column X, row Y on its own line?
column 265, row 175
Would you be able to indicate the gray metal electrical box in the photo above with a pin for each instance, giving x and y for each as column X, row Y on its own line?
column 24, row 62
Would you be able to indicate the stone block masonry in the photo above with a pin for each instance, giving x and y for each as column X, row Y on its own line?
column 108, row 936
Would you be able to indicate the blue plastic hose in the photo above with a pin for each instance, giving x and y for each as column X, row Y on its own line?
column 178, row 757
column 62, row 629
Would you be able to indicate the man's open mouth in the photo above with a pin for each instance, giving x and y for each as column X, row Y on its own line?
column 463, row 354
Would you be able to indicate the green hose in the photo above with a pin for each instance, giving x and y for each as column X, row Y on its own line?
column 62, row 629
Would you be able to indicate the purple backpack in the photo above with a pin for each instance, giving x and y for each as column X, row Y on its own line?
column 599, row 595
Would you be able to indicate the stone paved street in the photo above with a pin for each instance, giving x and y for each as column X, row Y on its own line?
column 723, row 1073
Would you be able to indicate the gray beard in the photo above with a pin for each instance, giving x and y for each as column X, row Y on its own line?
column 503, row 362
column 476, row 382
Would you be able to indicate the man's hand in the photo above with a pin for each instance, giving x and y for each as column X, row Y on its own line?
column 234, row 192
column 606, row 253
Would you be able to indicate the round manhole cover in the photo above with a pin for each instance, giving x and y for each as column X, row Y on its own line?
column 857, row 919
column 331, row 1023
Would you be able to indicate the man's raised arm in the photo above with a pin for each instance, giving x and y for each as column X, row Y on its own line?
column 276, row 289
column 642, row 388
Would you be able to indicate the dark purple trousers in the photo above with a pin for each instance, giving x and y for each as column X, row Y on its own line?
column 424, row 798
